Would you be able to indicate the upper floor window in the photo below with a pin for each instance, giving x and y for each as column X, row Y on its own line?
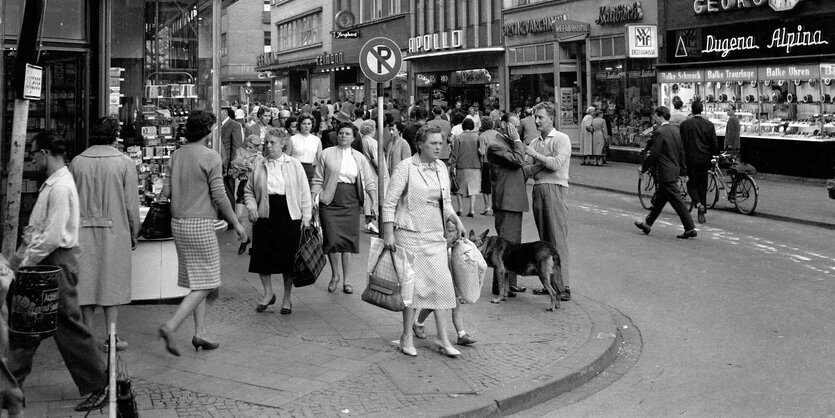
column 267, row 5
column 267, row 42
column 306, row 30
column 509, row 4
column 224, row 47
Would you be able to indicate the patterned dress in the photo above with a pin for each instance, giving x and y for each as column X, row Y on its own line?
column 422, row 186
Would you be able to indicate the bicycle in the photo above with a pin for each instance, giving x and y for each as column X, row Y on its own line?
column 647, row 188
column 742, row 190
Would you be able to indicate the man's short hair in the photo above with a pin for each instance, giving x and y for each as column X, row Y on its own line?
column 697, row 107
column 52, row 142
column 486, row 123
column 549, row 107
column 663, row 111
column 418, row 113
column 468, row 124
column 358, row 113
column 437, row 110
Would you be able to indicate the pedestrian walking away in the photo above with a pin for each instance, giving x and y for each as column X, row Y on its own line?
column 698, row 135
column 51, row 239
column 197, row 193
column 418, row 202
column 466, row 165
column 342, row 179
column 279, row 206
column 106, row 181
column 667, row 159
column 549, row 156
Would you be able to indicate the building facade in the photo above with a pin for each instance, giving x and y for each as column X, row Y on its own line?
column 455, row 54
column 584, row 53
column 246, row 32
column 774, row 60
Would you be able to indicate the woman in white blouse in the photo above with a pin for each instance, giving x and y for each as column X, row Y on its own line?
column 277, row 198
column 306, row 146
column 342, row 180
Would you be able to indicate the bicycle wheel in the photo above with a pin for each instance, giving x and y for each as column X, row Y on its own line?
column 712, row 191
column 745, row 194
column 646, row 190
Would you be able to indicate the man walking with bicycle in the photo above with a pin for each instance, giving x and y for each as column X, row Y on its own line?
column 699, row 138
column 667, row 159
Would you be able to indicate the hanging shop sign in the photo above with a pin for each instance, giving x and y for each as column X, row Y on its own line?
column 681, row 76
column 330, row 59
column 32, row 82
column 620, row 13
column 267, row 58
column 731, row 74
column 428, row 79
column 753, row 40
column 436, row 41
column 346, row 34
column 469, row 77
column 642, row 41
column 788, row 72
column 530, row 26
column 717, row 6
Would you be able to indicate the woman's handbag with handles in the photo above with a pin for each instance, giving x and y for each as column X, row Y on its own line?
column 382, row 291
column 309, row 260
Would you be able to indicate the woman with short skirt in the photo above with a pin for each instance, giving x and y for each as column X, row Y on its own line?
column 278, row 202
column 197, row 192
column 466, row 165
column 342, row 179
column 416, row 209
column 306, row 146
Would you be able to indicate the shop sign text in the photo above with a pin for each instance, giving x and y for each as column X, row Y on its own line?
column 716, row 6
column 346, row 34
column 428, row 79
column 642, row 41
column 477, row 76
column 436, row 41
column 267, row 58
column 781, row 38
column 538, row 25
column 681, row 76
column 731, row 74
column 620, row 13
column 788, row 72
column 330, row 59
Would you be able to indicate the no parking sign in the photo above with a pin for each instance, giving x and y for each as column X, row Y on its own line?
column 380, row 59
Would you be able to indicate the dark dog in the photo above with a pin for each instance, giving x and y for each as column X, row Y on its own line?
column 529, row 259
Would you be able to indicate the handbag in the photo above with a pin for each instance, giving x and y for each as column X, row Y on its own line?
column 381, row 291
column 157, row 223
column 309, row 260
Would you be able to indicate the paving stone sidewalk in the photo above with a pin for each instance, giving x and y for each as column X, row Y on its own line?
column 336, row 356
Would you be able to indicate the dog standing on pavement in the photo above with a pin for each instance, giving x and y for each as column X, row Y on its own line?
column 528, row 259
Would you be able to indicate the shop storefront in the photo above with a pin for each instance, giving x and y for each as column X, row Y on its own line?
column 585, row 53
column 773, row 61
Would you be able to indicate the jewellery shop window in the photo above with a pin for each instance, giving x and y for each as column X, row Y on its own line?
column 160, row 70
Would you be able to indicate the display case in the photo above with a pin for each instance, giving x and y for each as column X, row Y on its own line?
column 783, row 102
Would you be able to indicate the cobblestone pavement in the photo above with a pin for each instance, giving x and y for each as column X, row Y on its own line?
column 334, row 356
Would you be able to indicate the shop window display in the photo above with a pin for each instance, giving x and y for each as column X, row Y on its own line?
column 625, row 91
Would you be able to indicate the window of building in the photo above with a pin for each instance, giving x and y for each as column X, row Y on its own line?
column 267, row 5
column 509, row 4
column 610, row 46
column 394, row 6
column 543, row 53
column 223, row 46
column 301, row 32
column 376, row 9
column 267, row 42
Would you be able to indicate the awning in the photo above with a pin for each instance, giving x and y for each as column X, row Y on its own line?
column 493, row 49
column 288, row 65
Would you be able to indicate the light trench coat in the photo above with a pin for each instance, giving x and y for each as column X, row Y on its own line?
column 109, row 205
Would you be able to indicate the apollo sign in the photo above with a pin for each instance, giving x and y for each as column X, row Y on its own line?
column 436, row 41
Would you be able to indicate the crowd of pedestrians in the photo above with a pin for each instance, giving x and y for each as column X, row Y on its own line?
column 276, row 174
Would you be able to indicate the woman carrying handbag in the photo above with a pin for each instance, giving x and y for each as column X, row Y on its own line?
column 418, row 202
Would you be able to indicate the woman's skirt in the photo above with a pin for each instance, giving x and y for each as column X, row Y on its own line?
column 433, row 280
column 469, row 181
column 597, row 143
column 198, row 253
column 486, row 178
column 340, row 226
column 308, row 170
column 275, row 240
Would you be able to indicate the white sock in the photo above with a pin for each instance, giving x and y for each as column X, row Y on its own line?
column 462, row 333
column 420, row 324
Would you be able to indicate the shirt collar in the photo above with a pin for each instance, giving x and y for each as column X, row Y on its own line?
column 63, row 171
column 279, row 160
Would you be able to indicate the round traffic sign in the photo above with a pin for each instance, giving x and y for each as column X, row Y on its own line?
column 380, row 59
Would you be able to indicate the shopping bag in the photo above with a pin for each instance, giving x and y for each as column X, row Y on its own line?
column 309, row 260
column 468, row 270
column 157, row 223
column 399, row 268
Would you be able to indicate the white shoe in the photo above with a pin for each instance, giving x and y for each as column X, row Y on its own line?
column 371, row 228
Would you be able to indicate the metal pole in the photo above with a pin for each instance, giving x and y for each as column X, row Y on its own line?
column 381, row 160
column 216, row 6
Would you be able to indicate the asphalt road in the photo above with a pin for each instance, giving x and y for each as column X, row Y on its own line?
column 737, row 322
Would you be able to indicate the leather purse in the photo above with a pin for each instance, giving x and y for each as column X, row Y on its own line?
column 383, row 292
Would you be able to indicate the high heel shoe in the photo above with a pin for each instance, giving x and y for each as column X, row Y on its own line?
column 14, row 402
column 332, row 285
column 261, row 307
column 408, row 350
column 448, row 351
column 199, row 343
column 287, row 311
column 170, row 345
column 242, row 248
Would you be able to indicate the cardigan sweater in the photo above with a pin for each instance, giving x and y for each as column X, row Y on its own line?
column 296, row 189
column 326, row 174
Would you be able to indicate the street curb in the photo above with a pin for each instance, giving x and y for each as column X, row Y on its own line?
column 758, row 214
column 597, row 353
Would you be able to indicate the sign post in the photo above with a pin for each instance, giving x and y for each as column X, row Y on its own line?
column 380, row 59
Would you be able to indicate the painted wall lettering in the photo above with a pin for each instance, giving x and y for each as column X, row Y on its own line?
column 782, row 38
column 436, row 41
column 728, row 45
column 524, row 27
column 620, row 13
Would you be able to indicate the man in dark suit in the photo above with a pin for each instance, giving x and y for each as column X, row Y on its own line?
column 231, row 138
column 699, row 138
column 506, row 154
column 667, row 159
